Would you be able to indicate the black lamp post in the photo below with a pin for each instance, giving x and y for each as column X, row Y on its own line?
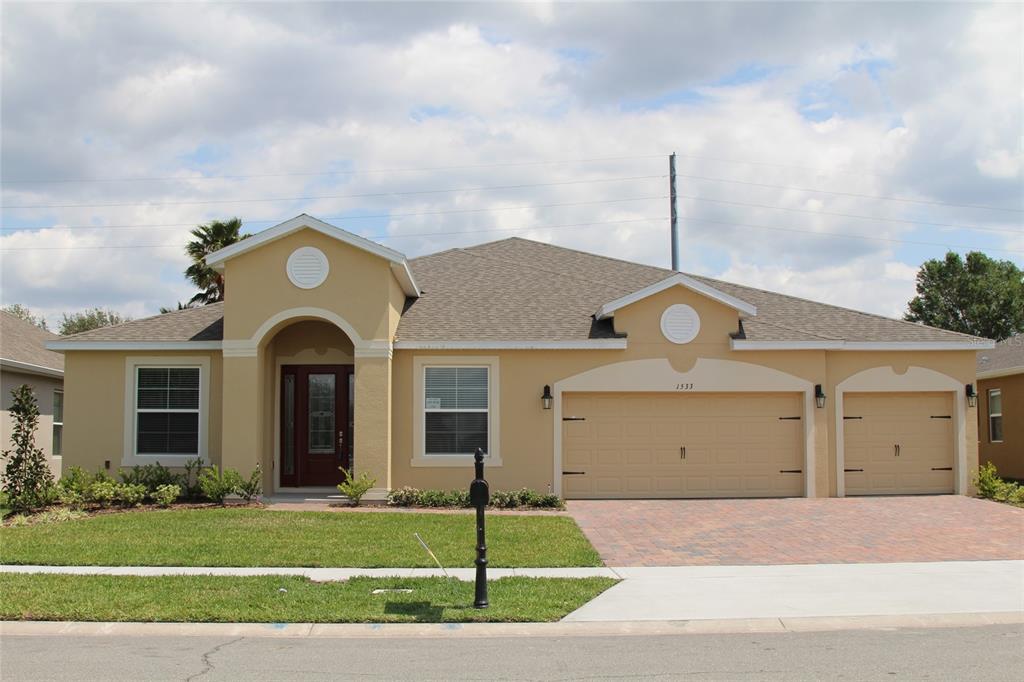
column 480, row 496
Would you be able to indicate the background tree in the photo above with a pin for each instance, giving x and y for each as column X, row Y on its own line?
column 23, row 313
column 181, row 306
column 211, row 237
column 87, row 320
column 979, row 296
column 27, row 478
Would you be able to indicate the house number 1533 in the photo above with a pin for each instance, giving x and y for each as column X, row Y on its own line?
column 684, row 387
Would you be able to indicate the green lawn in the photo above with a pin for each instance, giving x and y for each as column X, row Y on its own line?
column 257, row 537
column 280, row 599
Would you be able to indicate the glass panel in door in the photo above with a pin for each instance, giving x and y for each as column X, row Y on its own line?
column 321, row 413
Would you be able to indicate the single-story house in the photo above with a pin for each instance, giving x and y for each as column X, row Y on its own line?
column 1001, row 408
column 579, row 374
column 24, row 359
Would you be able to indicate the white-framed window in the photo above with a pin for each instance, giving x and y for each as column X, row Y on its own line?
column 165, row 409
column 58, row 423
column 995, row 415
column 455, row 404
column 456, row 410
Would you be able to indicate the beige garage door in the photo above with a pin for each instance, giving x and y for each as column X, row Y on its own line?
column 622, row 445
column 898, row 443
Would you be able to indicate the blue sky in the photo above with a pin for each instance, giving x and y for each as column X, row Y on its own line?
column 788, row 123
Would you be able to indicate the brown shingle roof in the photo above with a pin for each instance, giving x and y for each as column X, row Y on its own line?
column 22, row 341
column 520, row 290
column 205, row 323
column 1008, row 354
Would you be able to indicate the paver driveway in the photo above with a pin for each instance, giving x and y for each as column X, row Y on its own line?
column 800, row 531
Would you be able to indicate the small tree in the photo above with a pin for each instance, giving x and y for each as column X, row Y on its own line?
column 23, row 313
column 27, row 478
column 87, row 320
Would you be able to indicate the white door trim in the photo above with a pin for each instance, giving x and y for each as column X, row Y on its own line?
column 707, row 376
column 915, row 379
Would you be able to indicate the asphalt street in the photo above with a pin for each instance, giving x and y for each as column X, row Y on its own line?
column 976, row 653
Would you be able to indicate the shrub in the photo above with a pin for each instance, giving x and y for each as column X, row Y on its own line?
column 189, row 482
column 217, row 484
column 102, row 491
column 991, row 487
column 355, row 488
column 150, row 476
column 252, row 488
column 129, row 494
column 58, row 514
column 165, row 495
column 501, row 499
column 27, row 479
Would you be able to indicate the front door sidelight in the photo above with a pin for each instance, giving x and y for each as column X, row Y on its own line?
column 316, row 423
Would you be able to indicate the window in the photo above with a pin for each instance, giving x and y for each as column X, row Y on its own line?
column 167, row 411
column 456, row 415
column 58, row 422
column 995, row 415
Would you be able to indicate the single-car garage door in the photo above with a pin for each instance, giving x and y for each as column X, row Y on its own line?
column 898, row 443
column 621, row 445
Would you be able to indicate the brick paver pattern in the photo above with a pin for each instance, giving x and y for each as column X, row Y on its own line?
column 800, row 531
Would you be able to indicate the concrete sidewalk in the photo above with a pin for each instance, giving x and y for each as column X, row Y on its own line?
column 808, row 591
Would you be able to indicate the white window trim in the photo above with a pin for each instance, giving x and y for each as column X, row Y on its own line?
column 991, row 414
column 132, row 364
column 55, row 424
column 419, row 366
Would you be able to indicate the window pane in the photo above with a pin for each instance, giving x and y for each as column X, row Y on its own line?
column 472, row 388
column 995, row 428
column 152, row 399
column 439, row 385
column 161, row 388
column 321, row 413
column 58, row 439
column 153, row 377
column 58, row 406
column 170, row 433
column 995, row 402
column 449, row 388
column 455, row 433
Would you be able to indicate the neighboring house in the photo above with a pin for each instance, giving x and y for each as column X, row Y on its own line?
column 580, row 374
column 1001, row 407
column 24, row 359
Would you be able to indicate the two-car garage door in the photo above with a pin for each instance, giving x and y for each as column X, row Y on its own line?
column 622, row 445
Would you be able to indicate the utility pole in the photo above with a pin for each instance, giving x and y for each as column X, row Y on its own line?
column 675, row 213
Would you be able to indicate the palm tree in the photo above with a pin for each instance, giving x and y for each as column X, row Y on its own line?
column 211, row 237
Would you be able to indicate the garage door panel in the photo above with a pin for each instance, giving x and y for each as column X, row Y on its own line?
column 923, row 461
column 736, row 445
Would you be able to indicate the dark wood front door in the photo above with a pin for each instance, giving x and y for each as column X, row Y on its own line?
column 316, row 423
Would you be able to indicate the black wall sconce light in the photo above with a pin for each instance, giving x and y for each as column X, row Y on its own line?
column 819, row 396
column 546, row 398
column 972, row 397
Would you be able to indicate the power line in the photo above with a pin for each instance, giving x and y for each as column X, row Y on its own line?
column 853, row 194
column 342, row 217
column 340, row 196
column 379, row 236
column 852, row 215
column 325, row 173
column 570, row 225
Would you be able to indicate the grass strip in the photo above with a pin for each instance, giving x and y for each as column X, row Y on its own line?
column 259, row 537
column 287, row 599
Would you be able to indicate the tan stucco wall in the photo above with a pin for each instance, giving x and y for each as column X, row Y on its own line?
column 359, row 287
column 43, row 388
column 1008, row 456
column 94, row 406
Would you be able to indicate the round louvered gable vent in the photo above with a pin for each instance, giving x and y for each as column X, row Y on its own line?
column 680, row 323
column 307, row 267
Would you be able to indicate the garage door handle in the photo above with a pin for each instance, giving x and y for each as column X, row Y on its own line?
column 848, row 470
column 853, row 417
column 682, row 452
column 941, row 416
column 574, row 419
column 897, row 450
column 791, row 471
column 573, row 473
column 789, row 418
column 942, row 468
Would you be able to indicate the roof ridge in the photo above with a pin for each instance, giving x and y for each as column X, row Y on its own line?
column 581, row 252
